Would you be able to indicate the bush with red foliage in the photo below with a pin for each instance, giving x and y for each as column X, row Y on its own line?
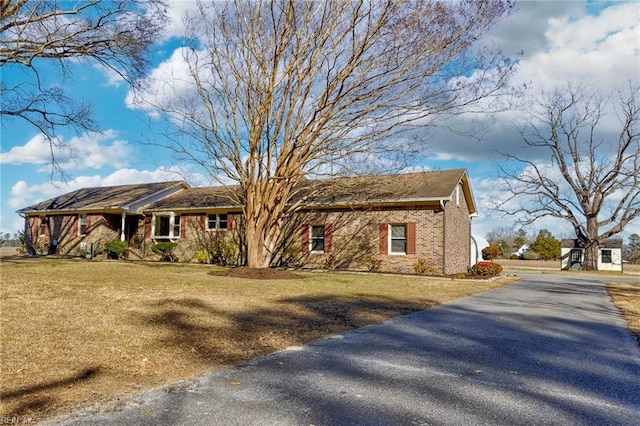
column 486, row 269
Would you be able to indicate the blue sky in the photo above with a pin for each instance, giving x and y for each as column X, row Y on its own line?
column 595, row 43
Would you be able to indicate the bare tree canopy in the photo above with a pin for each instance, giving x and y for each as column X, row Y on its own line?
column 593, row 181
column 272, row 91
column 41, row 36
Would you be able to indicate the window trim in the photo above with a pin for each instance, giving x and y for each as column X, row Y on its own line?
column 312, row 238
column 173, row 226
column 609, row 255
column 391, row 239
column 84, row 217
column 218, row 221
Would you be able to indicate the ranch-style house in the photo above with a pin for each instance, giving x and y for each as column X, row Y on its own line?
column 377, row 222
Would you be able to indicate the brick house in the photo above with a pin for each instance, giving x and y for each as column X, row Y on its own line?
column 75, row 222
column 391, row 221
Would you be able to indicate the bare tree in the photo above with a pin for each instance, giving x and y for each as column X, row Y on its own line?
column 273, row 91
column 593, row 181
column 38, row 37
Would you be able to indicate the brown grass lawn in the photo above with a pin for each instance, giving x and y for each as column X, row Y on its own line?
column 626, row 296
column 77, row 333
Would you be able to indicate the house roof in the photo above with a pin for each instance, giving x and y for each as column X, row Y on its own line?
column 109, row 198
column 199, row 198
column 409, row 188
column 371, row 190
column 402, row 189
column 575, row 243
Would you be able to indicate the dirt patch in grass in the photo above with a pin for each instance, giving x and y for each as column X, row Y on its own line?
column 626, row 296
column 77, row 333
column 257, row 274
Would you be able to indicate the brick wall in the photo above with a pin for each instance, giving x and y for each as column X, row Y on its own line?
column 457, row 238
column 193, row 236
column 356, row 238
column 61, row 232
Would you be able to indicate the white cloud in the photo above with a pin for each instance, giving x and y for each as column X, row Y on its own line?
column 113, row 78
column 562, row 44
column 177, row 11
column 164, row 85
column 88, row 151
column 602, row 50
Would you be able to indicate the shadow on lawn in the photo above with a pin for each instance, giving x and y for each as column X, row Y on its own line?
column 33, row 401
column 291, row 322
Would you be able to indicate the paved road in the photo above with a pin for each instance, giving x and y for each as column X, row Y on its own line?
column 550, row 349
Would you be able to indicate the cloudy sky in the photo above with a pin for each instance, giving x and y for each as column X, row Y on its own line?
column 592, row 43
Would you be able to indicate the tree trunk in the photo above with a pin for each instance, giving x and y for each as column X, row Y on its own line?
column 590, row 262
column 257, row 256
column 263, row 213
column 592, row 246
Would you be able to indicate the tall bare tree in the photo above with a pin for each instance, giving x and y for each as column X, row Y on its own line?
column 41, row 37
column 593, row 181
column 273, row 91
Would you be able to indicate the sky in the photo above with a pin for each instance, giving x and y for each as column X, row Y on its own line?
column 591, row 43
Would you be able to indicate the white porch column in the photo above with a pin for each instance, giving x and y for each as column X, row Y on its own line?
column 124, row 221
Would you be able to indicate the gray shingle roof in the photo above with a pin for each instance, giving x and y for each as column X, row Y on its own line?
column 120, row 197
column 409, row 187
column 575, row 243
column 362, row 190
column 198, row 198
column 367, row 190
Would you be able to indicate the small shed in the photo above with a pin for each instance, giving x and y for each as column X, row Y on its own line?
column 609, row 255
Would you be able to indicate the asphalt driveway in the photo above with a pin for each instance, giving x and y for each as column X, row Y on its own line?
column 550, row 349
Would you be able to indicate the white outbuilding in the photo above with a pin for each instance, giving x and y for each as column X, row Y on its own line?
column 609, row 255
column 477, row 244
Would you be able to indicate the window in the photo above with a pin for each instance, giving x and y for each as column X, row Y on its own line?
column 398, row 236
column 166, row 226
column 606, row 256
column 576, row 255
column 42, row 229
column 317, row 238
column 83, row 224
column 217, row 222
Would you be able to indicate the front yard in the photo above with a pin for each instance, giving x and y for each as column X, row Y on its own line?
column 77, row 333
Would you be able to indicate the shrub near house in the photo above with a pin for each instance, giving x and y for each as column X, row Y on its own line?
column 115, row 249
column 486, row 269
